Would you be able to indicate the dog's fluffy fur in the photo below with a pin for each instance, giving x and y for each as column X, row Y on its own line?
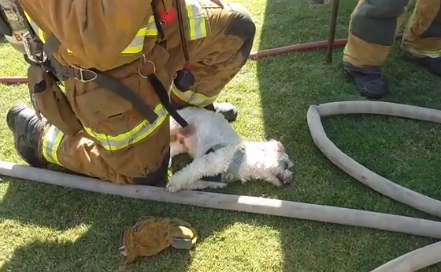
column 263, row 160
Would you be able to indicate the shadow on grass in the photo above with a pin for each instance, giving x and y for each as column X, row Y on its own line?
column 101, row 217
column 288, row 85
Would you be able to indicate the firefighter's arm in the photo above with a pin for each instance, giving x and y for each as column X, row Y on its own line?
column 95, row 30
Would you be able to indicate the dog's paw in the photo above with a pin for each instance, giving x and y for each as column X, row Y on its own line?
column 171, row 188
column 174, row 184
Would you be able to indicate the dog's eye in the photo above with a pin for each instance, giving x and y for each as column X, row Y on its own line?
column 285, row 165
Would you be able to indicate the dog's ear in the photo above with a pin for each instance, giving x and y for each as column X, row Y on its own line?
column 279, row 147
column 185, row 132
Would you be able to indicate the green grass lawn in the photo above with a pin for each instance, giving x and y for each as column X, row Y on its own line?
column 47, row 228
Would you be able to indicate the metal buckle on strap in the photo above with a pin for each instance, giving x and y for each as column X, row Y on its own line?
column 84, row 75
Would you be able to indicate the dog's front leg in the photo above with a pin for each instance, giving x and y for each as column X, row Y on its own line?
column 202, row 184
column 207, row 165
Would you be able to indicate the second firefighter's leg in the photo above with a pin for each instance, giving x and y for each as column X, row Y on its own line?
column 422, row 39
column 217, row 58
column 40, row 144
column 372, row 31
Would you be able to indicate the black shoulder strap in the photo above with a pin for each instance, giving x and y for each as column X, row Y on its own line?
column 162, row 94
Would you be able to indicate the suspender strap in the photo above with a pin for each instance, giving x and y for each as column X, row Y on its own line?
column 161, row 92
column 111, row 84
column 87, row 75
column 115, row 86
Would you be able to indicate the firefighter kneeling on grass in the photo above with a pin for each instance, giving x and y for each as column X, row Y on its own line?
column 124, row 66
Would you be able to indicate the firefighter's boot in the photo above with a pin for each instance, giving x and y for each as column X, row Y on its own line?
column 368, row 80
column 27, row 129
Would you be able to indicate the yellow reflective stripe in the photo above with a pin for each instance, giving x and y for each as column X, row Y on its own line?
column 151, row 27
column 137, row 44
column 141, row 131
column 197, row 23
column 51, row 142
column 193, row 98
column 196, row 19
column 420, row 52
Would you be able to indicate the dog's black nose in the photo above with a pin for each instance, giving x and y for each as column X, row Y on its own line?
column 283, row 180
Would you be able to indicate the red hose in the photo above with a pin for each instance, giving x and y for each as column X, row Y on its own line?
column 13, row 79
column 300, row 47
column 254, row 56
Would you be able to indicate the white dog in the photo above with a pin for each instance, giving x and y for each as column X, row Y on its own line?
column 221, row 156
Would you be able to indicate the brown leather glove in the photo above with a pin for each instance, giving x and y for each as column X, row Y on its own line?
column 151, row 235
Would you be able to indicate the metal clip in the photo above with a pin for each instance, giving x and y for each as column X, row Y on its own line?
column 79, row 74
column 33, row 49
column 144, row 60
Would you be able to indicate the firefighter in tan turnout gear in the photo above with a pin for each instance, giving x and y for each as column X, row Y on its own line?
column 372, row 30
column 102, row 73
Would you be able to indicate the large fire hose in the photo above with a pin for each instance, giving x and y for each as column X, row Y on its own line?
column 410, row 262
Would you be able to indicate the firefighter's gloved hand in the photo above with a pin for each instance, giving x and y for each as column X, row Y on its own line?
column 151, row 235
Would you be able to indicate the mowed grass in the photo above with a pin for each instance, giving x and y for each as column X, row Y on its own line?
column 48, row 228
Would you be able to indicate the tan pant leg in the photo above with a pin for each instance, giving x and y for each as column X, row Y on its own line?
column 82, row 155
column 372, row 30
column 78, row 154
column 423, row 33
column 216, row 59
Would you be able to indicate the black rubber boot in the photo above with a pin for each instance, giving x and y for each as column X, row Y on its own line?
column 27, row 130
column 369, row 81
column 228, row 110
column 433, row 65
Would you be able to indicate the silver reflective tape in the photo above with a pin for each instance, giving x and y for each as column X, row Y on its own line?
column 197, row 22
column 51, row 137
column 136, row 42
column 129, row 140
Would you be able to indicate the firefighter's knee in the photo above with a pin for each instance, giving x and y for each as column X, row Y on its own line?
column 383, row 8
column 375, row 21
column 241, row 25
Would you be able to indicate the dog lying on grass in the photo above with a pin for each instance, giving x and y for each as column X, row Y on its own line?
column 221, row 156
